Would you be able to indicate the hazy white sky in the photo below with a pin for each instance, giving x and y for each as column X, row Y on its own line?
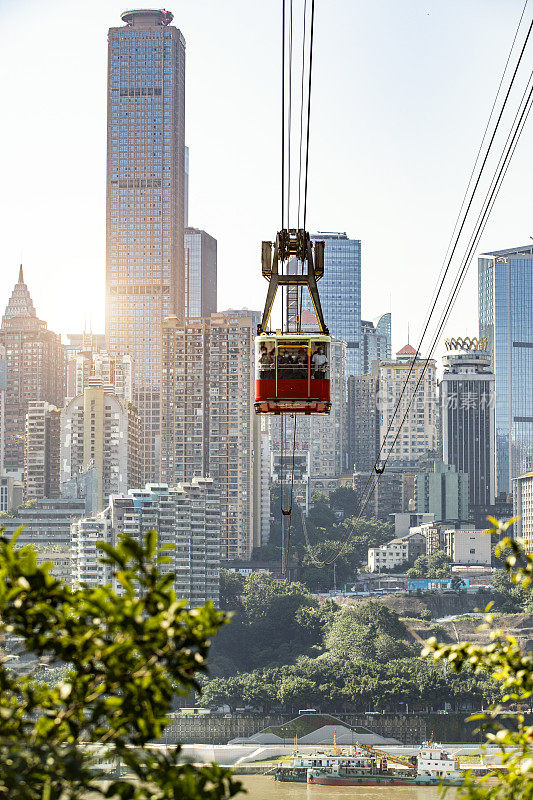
column 401, row 95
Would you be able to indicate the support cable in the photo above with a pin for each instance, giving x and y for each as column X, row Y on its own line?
column 447, row 261
column 302, row 114
column 311, row 39
column 503, row 165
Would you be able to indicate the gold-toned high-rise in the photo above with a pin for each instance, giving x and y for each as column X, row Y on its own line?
column 145, row 202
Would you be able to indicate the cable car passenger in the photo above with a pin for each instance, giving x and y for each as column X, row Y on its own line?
column 319, row 362
column 267, row 368
column 300, row 370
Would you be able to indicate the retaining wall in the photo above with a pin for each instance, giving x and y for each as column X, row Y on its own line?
column 407, row 728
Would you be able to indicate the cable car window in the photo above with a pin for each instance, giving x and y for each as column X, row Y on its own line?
column 266, row 362
column 292, row 363
column 319, row 360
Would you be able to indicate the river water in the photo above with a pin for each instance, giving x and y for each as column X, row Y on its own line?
column 264, row 787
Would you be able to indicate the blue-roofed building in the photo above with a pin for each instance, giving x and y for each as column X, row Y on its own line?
column 506, row 319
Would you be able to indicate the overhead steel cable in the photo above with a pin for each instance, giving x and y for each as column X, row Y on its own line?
column 287, row 35
column 311, row 40
column 448, row 259
column 483, row 216
column 457, row 238
column 506, row 155
column 302, row 113
column 480, row 147
column 283, row 113
column 289, row 122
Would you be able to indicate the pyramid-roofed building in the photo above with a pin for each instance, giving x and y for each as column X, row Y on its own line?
column 315, row 729
column 35, row 369
column 407, row 350
column 20, row 303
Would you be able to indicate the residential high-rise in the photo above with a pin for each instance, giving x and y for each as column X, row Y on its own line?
column 115, row 371
column 387, row 497
column 200, row 273
column 506, row 320
column 340, row 293
column 523, row 509
column 418, row 434
column 45, row 523
column 86, row 556
column 208, row 423
column 100, row 429
column 11, row 493
column 375, row 342
column 42, row 438
column 443, row 491
column 145, row 202
column 363, row 429
column 467, row 418
column 35, row 370
column 83, row 343
column 3, row 388
column 187, row 516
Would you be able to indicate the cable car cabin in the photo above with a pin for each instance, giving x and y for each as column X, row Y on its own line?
column 292, row 373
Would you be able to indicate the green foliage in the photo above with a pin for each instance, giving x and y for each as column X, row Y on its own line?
column 367, row 632
column 231, row 589
column 437, row 565
column 509, row 597
column 326, row 525
column 127, row 655
column 256, row 637
column 513, row 670
column 352, row 657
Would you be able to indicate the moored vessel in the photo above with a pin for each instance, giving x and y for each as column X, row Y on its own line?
column 433, row 767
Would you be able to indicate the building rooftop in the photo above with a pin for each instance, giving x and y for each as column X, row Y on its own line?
column 526, row 250
column 20, row 303
column 147, row 16
column 407, row 350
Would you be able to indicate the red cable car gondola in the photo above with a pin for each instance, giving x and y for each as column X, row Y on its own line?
column 292, row 367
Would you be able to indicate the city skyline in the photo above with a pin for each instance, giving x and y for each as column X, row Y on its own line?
column 442, row 184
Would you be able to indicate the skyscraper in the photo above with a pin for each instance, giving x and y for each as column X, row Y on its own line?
column 187, row 516
column 442, row 490
column 418, row 434
column 208, row 423
column 523, row 509
column 363, row 429
column 375, row 342
column 145, row 202
column 102, row 430
column 115, row 371
column 3, row 387
column 35, row 370
column 506, row 320
column 200, row 273
column 467, row 419
column 41, row 451
column 340, row 293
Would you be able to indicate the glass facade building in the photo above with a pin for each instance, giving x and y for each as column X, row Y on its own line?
column 340, row 293
column 467, row 421
column 145, row 202
column 200, row 273
column 375, row 342
column 506, row 319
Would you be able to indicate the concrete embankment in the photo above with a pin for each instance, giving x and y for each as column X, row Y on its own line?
column 410, row 729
